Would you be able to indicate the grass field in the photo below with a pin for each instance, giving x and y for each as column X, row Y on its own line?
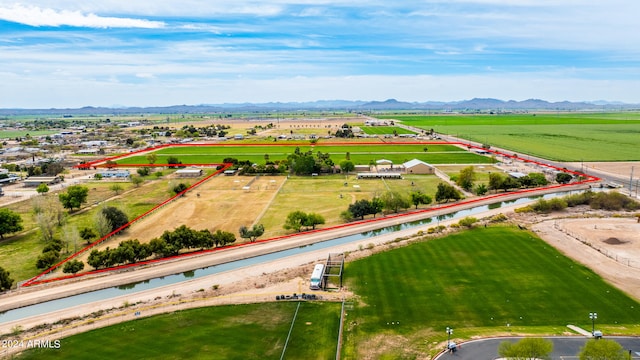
column 358, row 153
column 225, row 332
column 563, row 137
column 323, row 195
column 474, row 281
column 385, row 130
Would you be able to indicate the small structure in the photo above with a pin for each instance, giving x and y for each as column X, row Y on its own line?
column 416, row 166
column 238, row 137
column 115, row 174
column 37, row 180
column 383, row 175
column 189, row 172
column 516, row 174
column 229, row 172
column 384, row 162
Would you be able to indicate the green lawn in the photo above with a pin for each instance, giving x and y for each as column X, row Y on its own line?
column 478, row 280
column 358, row 153
column 564, row 137
column 257, row 331
column 385, row 130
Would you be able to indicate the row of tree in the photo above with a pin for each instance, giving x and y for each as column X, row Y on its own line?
column 497, row 181
column 297, row 220
column 170, row 243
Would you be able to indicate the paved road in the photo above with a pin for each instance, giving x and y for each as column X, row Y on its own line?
column 564, row 348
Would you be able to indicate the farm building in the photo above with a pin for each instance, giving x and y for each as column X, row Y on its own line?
column 389, row 175
column 115, row 174
column 416, row 166
column 189, row 172
column 37, row 180
column 360, row 168
column 384, row 162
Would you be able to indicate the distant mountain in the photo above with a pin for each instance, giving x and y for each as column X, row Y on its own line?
column 476, row 104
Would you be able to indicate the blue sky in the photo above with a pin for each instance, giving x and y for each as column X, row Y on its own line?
column 63, row 53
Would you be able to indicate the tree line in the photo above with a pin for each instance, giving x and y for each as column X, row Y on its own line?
column 170, row 243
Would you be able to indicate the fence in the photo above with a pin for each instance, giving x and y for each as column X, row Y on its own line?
column 606, row 252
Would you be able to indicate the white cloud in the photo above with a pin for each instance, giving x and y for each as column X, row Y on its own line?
column 35, row 16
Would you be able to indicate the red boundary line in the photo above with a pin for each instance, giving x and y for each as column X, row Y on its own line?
column 35, row 280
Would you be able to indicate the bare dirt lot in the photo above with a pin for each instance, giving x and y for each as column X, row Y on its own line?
column 610, row 246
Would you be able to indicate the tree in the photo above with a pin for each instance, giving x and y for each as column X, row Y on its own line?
column 527, row 348
column 75, row 196
column 101, row 224
column 151, row 158
column 360, row 208
column 47, row 259
column 495, row 181
column 116, row 188
column 116, row 217
column 5, row 281
column 173, row 160
column 10, row 222
column 180, row 188
column 446, row 192
column 466, row 178
column 295, row 220
column 418, row 197
column 394, row 201
column 87, row 234
column 347, row 166
column 481, row 189
column 42, row 189
column 313, row 219
column 563, row 178
column 252, row 234
column 47, row 225
column 143, row 171
column 137, row 180
column 73, row 266
column 222, row 238
column 601, row 349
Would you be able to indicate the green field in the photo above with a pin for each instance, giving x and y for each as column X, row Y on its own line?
column 563, row 137
column 257, row 331
column 385, row 130
column 476, row 281
column 358, row 153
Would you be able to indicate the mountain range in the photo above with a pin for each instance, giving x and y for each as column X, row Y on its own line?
column 473, row 105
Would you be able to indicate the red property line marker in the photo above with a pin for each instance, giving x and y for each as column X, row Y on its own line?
column 36, row 280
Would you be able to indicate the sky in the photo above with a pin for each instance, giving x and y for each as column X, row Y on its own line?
column 67, row 54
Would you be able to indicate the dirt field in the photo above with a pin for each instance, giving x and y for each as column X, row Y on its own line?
column 609, row 246
column 223, row 202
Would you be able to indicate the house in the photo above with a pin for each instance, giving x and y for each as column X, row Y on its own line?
column 32, row 181
column 115, row 174
column 189, row 172
column 416, row 166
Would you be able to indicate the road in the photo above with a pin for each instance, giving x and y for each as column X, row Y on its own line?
column 564, row 348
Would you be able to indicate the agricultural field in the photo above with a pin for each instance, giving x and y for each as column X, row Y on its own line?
column 358, row 153
column 211, row 333
column 496, row 280
column 385, row 130
column 561, row 137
